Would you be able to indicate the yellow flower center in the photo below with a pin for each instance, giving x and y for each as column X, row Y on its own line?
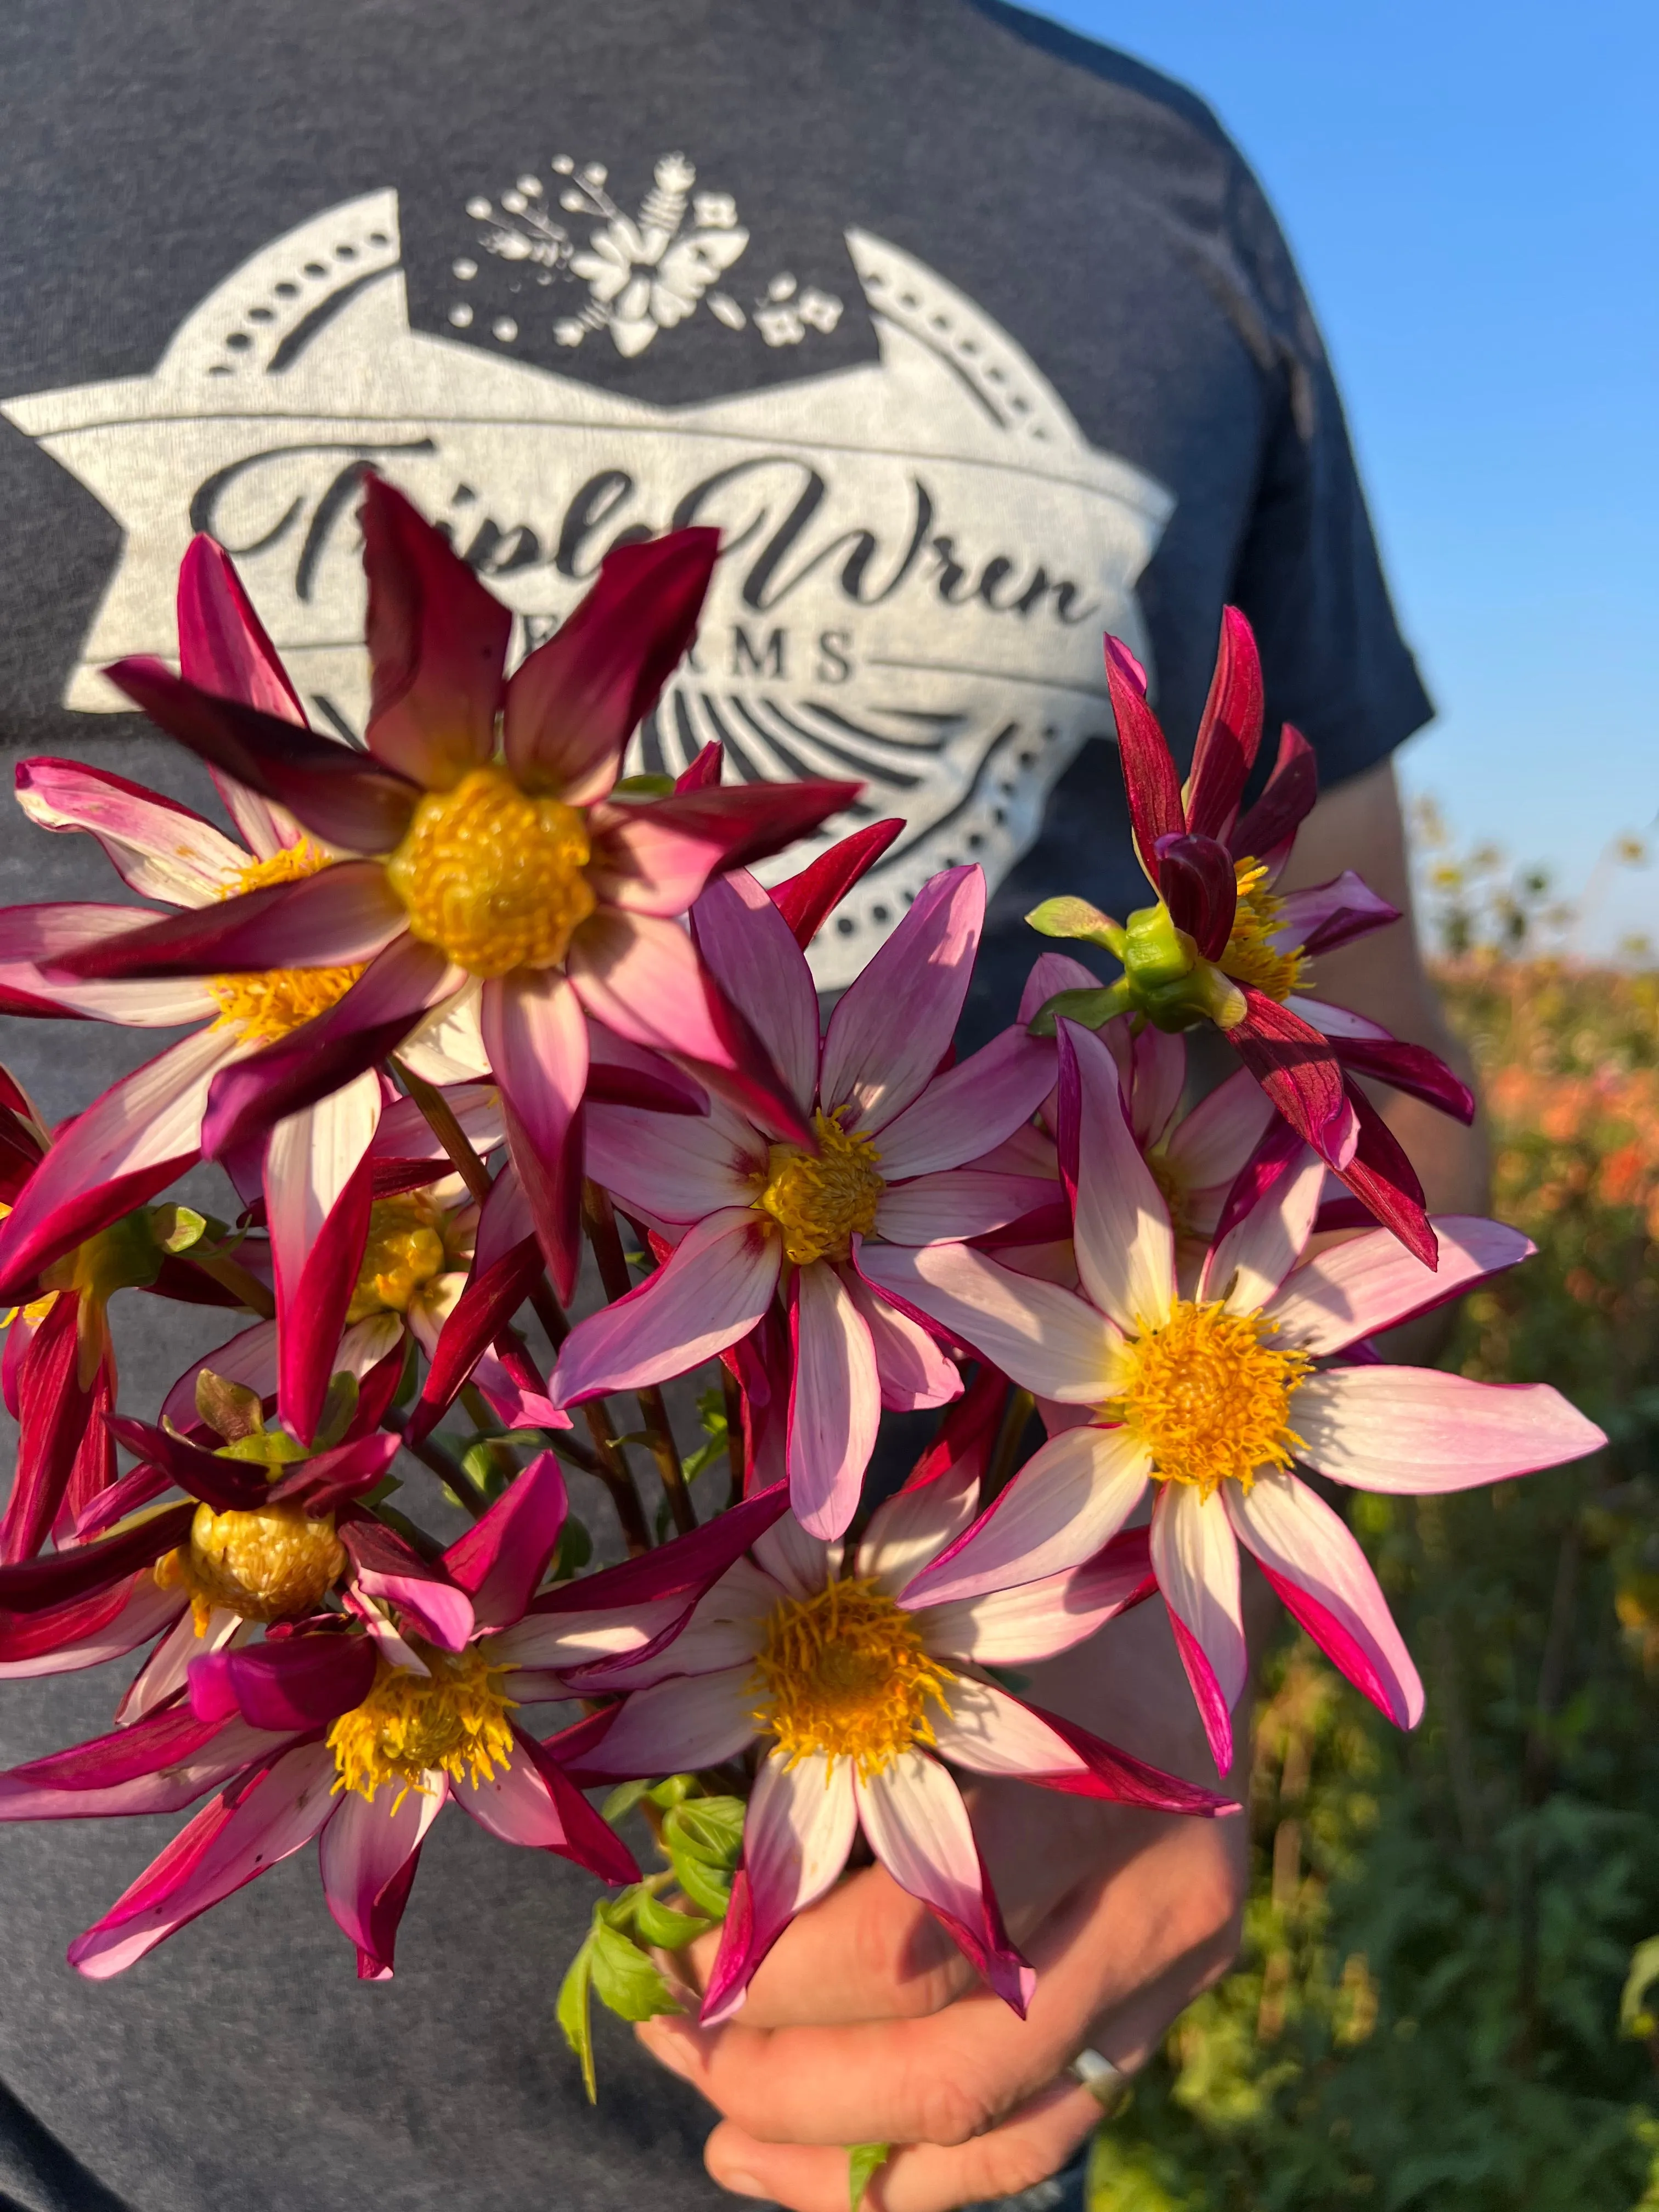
column 844, row 1673
column 1251, row 956
column 404, row 1251
column 493, row 877
column 821, row 1200
column 275, row 1563
column 270, row 1002
column 1207, row 1397
column 452, row 1721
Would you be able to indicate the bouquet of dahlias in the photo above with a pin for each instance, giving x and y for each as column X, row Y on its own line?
column 472, row 1004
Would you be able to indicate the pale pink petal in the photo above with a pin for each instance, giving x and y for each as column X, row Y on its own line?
column 446, row 1047
column 1196, row 1559
column 834, row 1403
column 1325, row 915
column 158, row 848
column 983, row 1728
column 1338, row 1021
column 1327, row 1583
column 713, row 1289
column 917, row 1825
column 536, row 1041
column 1157, row 1076
column 1253, row 1258
column 364, row 1848
column 1207, row 1148
column 1125, row 1245
column 1411, row 1430
column 224, row 1846
column 316, row 1204
column 570, row 1640
column 125, row 1146
column 166, row 1671
column 913, row 1372
column 972, row 1107
column 796, row 1836
column 956, row 1204
column 1034, row 1620
column 908, row 1530
column 1373, row 1282
column 893, row 1025
column 145, row 1611
column 1073, row 1494
column 752, row 953
column 1049, row 1340
column 515, row 1804
column 797, row 1562
column 1052, row 972
column 639, row 974
column 677, row 1726
column 726, row 1629
column 676, row 1166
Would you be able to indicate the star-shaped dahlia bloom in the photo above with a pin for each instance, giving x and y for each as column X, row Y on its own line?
column 1216, row 1395
column 479, row 848
column 357, row 1729
column 862, row 1683
column 1222, row 946
column 886, row 1129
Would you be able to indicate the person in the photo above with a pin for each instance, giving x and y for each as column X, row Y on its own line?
column 976, row 340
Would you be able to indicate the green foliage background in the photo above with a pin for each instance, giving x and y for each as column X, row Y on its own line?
column 1428, row 2009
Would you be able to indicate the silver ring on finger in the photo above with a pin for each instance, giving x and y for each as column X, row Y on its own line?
column 1106, row 2083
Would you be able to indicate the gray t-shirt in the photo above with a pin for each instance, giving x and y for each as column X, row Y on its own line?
column 977, row 339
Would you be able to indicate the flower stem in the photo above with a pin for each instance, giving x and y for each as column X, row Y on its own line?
column 450, row 1472
column 600, row 1218
column 1015, row 1416
column 440, row 1120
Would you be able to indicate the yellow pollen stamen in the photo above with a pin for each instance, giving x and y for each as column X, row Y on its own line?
column 275, row 1563
column 493, row 877
column 1207, row 1398
column 821, row 1201
column 267, row 1003
column 404, row 1251
column 1251, row 956
column 452, row 1721
column 844, row 1673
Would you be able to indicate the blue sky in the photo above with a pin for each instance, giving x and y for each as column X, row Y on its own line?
column 1471, row 190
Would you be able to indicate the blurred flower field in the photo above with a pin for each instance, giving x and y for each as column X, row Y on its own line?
column 1444, row 1999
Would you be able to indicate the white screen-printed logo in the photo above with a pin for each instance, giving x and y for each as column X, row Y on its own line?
column 920, row 552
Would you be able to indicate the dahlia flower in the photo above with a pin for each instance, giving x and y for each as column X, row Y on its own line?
column 1214, row 1396
column 358, row 1730
column 1221, row 945
column 861, row 1692
column 455, row 857
column 752, row 1219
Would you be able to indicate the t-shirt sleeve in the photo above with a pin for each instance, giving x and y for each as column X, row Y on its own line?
column 1308, row 574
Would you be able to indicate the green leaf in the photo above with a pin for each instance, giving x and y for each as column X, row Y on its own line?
column 572, row 2011
column 711, row 1826
column 575, row 1550
column 643, row 787
column 623, row 1800
column 664, row 1930
column 338, row 1408
column 864, row 2162
column 673, row 1790
column 624, row 1979
column 708, row 1886
column 1090, row 1008
column 230, row 1409
column 1076, row 919
column 177, row 1227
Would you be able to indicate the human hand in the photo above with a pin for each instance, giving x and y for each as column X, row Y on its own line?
column 866, row 2025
